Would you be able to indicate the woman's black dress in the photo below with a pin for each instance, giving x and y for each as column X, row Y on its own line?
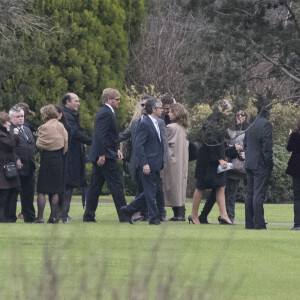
column 50, row 179
column 208, row 158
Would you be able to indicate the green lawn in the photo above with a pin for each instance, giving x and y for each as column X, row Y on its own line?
column 109, row 260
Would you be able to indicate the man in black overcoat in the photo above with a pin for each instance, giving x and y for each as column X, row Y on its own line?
column 258, row 164
column 25, row 151
column 104, row 155
column 76, row 157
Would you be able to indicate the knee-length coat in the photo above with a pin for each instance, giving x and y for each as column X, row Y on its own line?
column 8, row 144
column 176, row 167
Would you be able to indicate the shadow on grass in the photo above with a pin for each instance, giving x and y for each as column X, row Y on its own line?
column 65, row 274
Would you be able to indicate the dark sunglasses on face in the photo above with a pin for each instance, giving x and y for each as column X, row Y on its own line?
column 142, row 105
column 240, row 115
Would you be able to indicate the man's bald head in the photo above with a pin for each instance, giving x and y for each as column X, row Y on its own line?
column 71, row 101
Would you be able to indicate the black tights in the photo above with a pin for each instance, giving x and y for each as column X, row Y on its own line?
column 65, row 200
column 41, row 202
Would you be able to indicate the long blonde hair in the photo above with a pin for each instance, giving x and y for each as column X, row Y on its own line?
column 138, row 109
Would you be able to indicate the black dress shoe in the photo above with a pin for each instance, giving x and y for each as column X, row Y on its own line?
column 177, row 219
column 89, row 220
column 154, row 223
column 163, row 219
column 128, row 213
column 29, row 221
column 296, row 228
column 53, row 221
column 37, row 220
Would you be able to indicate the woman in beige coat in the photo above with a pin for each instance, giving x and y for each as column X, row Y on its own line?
column 53, row 143
column 176, row 166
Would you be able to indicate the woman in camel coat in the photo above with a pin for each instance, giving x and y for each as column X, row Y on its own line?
column 176, row 166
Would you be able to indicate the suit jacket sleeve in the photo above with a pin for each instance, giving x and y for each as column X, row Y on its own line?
column 267, row 144
column 8, row 143
column 141, row 138
column 77, row 134
column 102, row 125
column 125, row 135
column 291, row 143
column 164, row 137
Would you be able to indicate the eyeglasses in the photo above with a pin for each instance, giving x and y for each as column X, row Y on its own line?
column 240, row 115
column 142, row 104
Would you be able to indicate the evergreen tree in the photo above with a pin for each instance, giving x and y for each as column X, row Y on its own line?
column 248, row 47
column 87, row 53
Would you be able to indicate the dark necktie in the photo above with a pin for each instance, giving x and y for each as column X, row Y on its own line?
column 23, row 132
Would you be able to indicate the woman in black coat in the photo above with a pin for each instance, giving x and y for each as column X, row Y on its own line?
column 293, row 170
column 8, row 187
column 210, row 155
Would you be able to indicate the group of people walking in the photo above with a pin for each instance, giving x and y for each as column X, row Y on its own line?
column 158, row 161
column 62, row 165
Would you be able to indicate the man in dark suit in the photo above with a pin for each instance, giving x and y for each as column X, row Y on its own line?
column 258, row 164
column 166, row 100
column 131, row 132
column 75, row 157
column 25, row 151
column 104, row 154
column 150, row 156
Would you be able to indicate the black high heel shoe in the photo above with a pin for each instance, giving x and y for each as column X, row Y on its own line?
column 222, row 221
column 191, row 220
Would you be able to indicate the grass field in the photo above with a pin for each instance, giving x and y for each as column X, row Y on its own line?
column 109, row 260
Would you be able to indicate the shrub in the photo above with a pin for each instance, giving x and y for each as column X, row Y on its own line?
column 280, row 189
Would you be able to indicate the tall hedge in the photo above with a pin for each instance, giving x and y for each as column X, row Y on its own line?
column 86, row 52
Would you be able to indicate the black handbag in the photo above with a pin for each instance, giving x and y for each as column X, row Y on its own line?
column 10, row 170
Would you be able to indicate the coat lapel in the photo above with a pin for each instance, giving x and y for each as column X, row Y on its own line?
column 153, row 127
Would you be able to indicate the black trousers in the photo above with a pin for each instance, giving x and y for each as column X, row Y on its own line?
column 140, row 203
column 110, row 173
column 257, row 184
column 296, row 188
column 8, row 205
column 27, row 197
column 230, row 195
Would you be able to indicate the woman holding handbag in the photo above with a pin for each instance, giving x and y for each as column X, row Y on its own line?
column 9, row 179
column 210, row 155
column 234, row 151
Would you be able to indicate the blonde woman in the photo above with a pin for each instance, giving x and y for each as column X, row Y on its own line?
column 176, row 166
column 210, row 155
column 53, row 143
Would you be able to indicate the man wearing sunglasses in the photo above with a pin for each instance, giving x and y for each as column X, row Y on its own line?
column 104, row 154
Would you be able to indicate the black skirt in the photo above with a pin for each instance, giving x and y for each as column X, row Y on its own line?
column 206, row 171
column 50, row 179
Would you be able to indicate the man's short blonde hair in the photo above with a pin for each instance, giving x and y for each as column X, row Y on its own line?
column 109, row 93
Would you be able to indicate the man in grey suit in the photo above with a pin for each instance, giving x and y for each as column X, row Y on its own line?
column 131, row 132
column 258, row 164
